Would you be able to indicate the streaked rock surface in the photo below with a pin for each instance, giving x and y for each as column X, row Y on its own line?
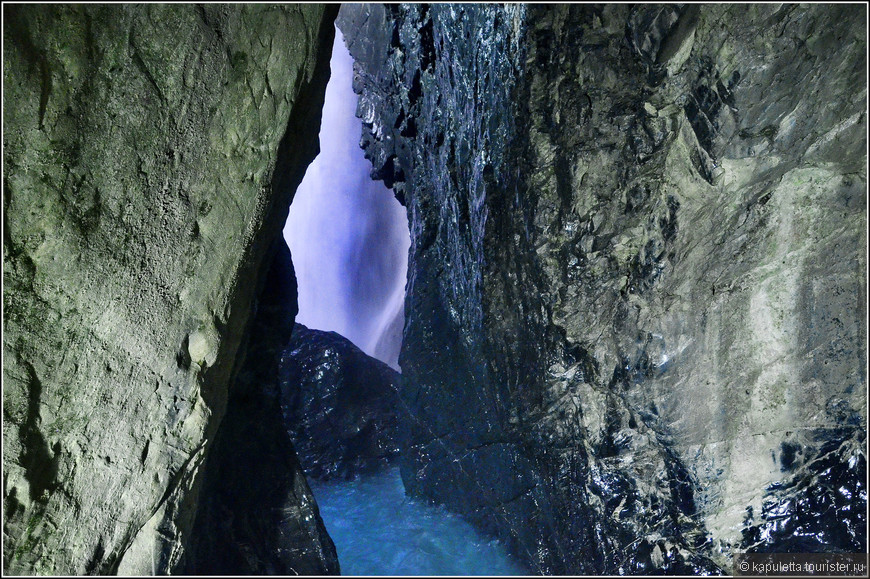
column 635, row 335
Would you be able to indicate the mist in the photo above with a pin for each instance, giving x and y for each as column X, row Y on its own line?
column 347, row 233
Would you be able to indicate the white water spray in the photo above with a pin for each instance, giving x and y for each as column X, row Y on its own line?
column 347, row 234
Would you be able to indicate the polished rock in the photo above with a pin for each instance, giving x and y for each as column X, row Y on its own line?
column 340, row 406
column 637, row 290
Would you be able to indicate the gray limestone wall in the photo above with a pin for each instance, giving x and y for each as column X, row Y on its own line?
column 150, row 154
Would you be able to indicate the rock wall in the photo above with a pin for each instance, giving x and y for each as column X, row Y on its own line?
column 150, row 156
column 340, row 406
column 635, row 335
column 256, row 514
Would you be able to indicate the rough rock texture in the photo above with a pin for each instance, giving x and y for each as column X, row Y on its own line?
column 150, row 155
column 256, row 514
column 341, row 407
column 635, row 335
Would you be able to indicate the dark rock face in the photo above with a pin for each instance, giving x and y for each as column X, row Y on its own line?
column 256, row 514
column 341, row 407
column 635, row 331
column 151, row 152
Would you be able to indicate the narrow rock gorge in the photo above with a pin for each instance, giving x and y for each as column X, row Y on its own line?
column 635, row 313
column 255, row 513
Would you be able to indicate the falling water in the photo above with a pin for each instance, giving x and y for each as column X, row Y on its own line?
column 349, row 240
column 347, row 233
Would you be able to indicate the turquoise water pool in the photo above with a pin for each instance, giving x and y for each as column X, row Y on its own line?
column 377, row 530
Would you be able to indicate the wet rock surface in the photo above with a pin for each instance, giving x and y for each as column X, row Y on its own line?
column 256, row 514
column 150, row 153
column 635, row 333
column 340, row 406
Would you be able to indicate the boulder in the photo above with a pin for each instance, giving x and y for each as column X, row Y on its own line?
column 340, row 406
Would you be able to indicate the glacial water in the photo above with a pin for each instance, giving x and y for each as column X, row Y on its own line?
column 377, row 530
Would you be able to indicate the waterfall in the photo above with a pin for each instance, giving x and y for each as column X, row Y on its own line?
column 347, row 233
